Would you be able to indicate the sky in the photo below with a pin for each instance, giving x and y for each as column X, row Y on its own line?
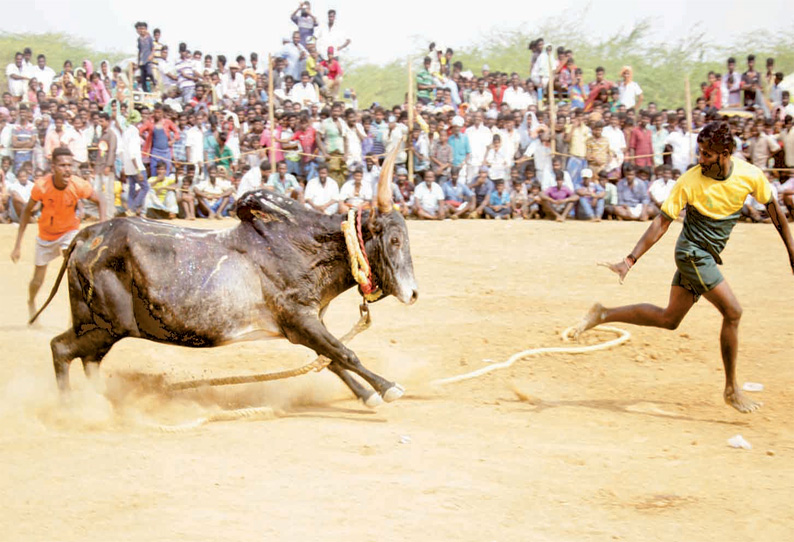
column 380, row 31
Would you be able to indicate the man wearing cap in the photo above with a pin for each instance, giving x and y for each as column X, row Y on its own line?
column 591, row 198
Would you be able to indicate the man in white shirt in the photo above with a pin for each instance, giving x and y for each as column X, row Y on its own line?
column 17, row 80
column 43, row 73
column 660, row 188
column 514, row 95
column 630, row 91
column 482, row 97
column 322, row 192
column 617, row 142
column 330, row 35
column 194, row 143
column 683, row 145
column 233, row 83
column 304, row 92
column 479, row 139
column 511, row 140
column 252, row 180
column 355, row 193
column 429, row 198
column 213, row 195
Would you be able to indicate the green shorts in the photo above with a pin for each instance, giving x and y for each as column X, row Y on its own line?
column 697, row 271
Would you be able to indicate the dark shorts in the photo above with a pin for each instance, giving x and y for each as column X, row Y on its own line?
column 697, row 272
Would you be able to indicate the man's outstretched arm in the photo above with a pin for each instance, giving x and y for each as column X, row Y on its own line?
column 651, row 236
column 781, row 225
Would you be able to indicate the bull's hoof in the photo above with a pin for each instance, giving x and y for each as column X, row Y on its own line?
column 393, row 393
column 374, row 400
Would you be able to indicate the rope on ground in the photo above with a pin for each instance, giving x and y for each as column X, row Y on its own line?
column 266, row 413
column 623, row 336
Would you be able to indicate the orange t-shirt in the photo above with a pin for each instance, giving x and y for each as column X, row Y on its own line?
column 58, row 206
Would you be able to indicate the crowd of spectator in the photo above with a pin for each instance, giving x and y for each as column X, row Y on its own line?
column 188, row 136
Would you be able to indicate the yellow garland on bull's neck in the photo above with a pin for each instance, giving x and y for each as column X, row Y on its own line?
column 359, row 267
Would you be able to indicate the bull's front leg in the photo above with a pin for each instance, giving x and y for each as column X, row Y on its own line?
column 307, row 330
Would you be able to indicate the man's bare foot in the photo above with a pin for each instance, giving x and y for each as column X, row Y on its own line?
column 740, row 401
column 592, row 318
column 559, row 218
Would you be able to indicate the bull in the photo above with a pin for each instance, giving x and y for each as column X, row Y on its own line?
column 273, row 275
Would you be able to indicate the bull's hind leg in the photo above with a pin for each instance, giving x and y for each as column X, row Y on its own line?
column 310, row 332
column 91, row 347
column 370, row 397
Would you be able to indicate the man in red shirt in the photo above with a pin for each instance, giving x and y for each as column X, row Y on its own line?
column 59, row 194
column 307, row 136
column 641, row 143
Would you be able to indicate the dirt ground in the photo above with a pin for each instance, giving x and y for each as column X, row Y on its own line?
column 623, row 444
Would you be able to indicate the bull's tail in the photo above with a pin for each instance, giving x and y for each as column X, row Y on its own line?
column 54, row 290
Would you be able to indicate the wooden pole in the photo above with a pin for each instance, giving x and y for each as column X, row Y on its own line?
column 271, row 111
column 688, row 106
column 552, row 108
column 409, row 143
column 131, row 99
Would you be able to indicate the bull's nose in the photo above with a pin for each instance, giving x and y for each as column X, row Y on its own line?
column 414, row 297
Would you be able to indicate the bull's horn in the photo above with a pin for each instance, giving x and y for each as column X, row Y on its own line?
column 385, row 201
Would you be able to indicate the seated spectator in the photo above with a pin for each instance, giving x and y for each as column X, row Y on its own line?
column 496, row 159
column 458, row 198
column 660, row 188
column 161, row 196
column 591, row 198
column 214, row 195
column 786, row 195
column 322, row 192
column 529, row 200
column 499, row 202
column 610, row 195
column 429, row 198
column 19, row 193
column 355, row 193
column 482, row 187
column 253, row 178
column 558, row 200
column 633, row 197
column 186, row 199
column 284, row 183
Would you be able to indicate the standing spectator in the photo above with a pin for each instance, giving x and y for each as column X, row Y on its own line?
column 591, row 198
column 499, row 205
column 331, row 35
column 681, row 141
column 461, row 150
column 630, row 91
column 598, row 149
column 429, row 198
column 576, row 134
column 331, row 142
column 751, row 82
column 598, row 89
column 305, row 20
column 294, row 53
column 558, row 200
column 104, row 173
column 713, row 93
column 186, row 75
column 23, row 138
column 481, row 98
column 145, row 56
column 732, row 85
column 159, row 134
column 60, row 135
column 332, row 80
column 43, row 73
column 633, row 197
column 441, row 155
column 658, row 138
column 496, row 160
column 132, row 164
column 17, row 78
column 424, row 83
column 765, row 145
column 641, row 144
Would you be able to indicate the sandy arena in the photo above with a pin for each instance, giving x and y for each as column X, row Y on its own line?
column 626, row 444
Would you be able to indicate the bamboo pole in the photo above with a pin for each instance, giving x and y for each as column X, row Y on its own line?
column 409, row 143
column 131, row 99
column 688, row 106
column 552, row 108
column 271, row 111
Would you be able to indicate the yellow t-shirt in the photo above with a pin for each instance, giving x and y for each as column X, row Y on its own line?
column 717, row 199
column 158, row 185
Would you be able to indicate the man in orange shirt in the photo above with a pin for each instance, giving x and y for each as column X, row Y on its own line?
column 59, row 194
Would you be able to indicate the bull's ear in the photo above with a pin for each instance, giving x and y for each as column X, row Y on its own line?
column 385, row 202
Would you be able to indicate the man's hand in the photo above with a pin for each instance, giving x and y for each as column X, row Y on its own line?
column 15, row 254
column 621, row 268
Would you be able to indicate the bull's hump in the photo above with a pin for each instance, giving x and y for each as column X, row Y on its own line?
column 268, row 206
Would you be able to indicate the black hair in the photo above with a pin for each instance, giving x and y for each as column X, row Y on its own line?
column 718, row 136
column 60, row 151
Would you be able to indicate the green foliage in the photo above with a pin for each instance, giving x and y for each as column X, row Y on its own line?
column 58, row 47
column 659, row 67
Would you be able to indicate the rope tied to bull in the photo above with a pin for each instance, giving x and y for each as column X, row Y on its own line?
column 316, row 365
column 359, row 263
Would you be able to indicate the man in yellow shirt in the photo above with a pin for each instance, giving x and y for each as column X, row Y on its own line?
column 712, row 193
column 162, row 193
